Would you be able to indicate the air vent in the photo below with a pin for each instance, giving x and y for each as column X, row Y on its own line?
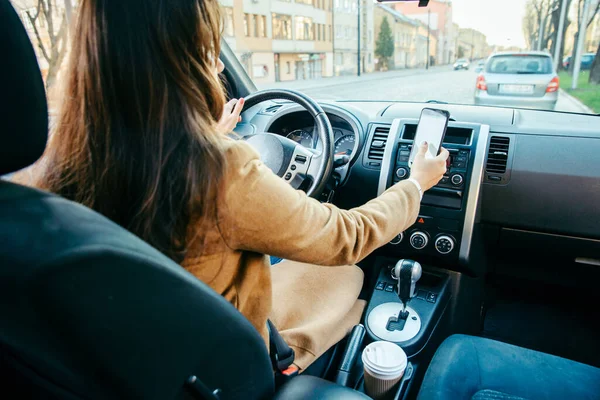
column 377, row 146
column 272, row 109
column 497, row 155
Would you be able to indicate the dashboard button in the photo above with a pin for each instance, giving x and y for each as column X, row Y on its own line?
column 300, row 159
column 401, row 172
column 293, row 167
column 389, row 287
column 380, row 286
column 457, row 179
column 431, row 297
column 397, row 239
column 459, row 164
column 422, row 294
column 374, row 164
column 444, row 244
column 288, row 176
column 419, row 240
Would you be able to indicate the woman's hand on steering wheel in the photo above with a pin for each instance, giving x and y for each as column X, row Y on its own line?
column 231, row 116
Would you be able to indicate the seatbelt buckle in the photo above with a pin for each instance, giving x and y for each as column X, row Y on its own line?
column 291, row 371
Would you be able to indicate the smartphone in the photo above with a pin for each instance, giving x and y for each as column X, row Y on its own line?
column 431, row 129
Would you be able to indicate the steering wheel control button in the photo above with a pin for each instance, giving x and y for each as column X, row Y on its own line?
column 444, row 244
column 300, row 159
column 293, row 167
column 288, row 176
column 389, row 287
column 380, row 286
column 431, row 297
column 397, row 239
column 419, row 240
column 401, row 173
column 456, row 179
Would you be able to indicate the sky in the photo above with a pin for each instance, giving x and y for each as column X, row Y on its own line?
column 500, row 20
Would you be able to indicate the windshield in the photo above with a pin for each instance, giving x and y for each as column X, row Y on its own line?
column 519, row 64
column 404, row 52
column 450, row 51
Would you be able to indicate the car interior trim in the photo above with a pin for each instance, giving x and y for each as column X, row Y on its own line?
column 472, row 207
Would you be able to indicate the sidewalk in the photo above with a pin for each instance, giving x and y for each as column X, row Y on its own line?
column 566, row 102
column 343, row 80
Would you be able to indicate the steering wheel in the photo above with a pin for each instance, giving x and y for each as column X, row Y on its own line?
column 288, row 159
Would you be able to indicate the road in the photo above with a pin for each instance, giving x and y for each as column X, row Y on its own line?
column 437, row 83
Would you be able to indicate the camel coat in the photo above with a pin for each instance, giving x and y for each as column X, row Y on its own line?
column 311, row 299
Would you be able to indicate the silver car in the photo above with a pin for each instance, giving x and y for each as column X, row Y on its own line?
column 524, row 80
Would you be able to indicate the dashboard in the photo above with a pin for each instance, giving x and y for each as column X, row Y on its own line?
column 520, row 180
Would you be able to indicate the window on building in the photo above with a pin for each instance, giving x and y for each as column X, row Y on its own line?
column 309, row 2
column 229, row 29
column 354, row 8
column 282, row 26
column 288, row 67
column 304, row 28
column 337, row 4
column 262, row 25
column 347, row 5
column 369, row 58
column 247, row 24
column 339, row 60
column 331, row 33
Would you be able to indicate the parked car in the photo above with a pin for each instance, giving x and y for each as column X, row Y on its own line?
column 518, row 79
column 480, row 66
column 461, row 63
column 586, row 61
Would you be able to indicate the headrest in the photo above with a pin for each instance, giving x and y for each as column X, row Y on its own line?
column 23, row 108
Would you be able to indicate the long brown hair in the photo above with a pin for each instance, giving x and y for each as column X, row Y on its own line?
column 135, row 138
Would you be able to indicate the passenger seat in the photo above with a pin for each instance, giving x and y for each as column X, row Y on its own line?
column 468, row 367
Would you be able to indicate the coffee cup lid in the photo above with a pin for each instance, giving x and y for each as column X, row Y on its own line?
column 384, row 358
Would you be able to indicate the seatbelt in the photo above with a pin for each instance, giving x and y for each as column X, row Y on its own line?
column 282, row 355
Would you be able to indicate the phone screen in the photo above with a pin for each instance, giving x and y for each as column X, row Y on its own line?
column 431, row 129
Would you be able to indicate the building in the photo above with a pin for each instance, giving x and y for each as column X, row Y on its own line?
column 438, row 15
column 404, row 31
column 345, row 31
column 281, row 40
column 472, row 44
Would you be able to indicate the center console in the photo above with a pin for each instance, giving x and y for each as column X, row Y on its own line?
column 409, row 309
column 443, row 230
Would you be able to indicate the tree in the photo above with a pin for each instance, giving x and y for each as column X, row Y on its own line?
column 49, row 21
column 595, row 70
column 384, row 48
column 593, row 10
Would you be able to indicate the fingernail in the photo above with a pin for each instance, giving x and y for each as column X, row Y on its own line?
column 242, row 100
column 423, row 143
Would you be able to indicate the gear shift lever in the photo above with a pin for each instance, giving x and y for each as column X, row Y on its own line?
column 407, row 272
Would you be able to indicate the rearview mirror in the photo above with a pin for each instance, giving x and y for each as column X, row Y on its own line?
column 422, row 3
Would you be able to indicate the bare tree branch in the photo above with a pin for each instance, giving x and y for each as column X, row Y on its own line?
column 38, row 37
column 593, row 14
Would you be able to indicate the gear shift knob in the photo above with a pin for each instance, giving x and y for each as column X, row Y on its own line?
column 407, row 272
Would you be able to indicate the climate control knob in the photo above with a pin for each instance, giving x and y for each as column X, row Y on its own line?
column 401, row 172
column 419, row 240
column 456, row 179
column 397, row 239
column 444, row 244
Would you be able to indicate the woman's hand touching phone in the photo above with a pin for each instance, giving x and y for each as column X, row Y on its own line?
column 428, row 171
column 231, row 115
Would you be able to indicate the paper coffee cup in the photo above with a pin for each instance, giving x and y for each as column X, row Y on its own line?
column 384, row 364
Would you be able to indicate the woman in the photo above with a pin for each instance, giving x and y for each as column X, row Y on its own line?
column 141, row 138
